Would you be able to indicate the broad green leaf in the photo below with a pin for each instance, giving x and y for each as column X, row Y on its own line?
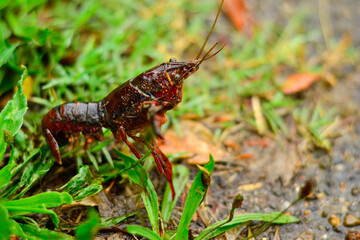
column 33, row 172
column 219, row 227
column 143, row 232
column 77, row 181
column 90, row 190
column 5, row 231
column 11, row 117
column 5, row 174
column 47, row 199
column 82, row 185
column 4, row 3
column 195, row 196
column 8, row 226
column 6, row 52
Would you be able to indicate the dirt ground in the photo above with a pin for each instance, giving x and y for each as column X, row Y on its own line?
column 277, row 171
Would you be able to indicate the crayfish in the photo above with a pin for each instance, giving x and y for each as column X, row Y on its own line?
column 130, row 110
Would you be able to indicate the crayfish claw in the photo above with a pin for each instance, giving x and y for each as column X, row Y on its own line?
column 163, row 165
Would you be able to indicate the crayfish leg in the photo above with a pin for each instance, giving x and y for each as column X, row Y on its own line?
column 163, row 165
column 53, row 144
column 162, row 162
column 121, row 134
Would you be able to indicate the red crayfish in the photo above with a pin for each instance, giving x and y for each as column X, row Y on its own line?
column 130, row 110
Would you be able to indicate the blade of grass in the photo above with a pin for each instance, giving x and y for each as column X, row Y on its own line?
column 142, row 231
column 11, row 117
column 214, row 229
column 108, row 222
column 181, row 174
column 195, row 196
column 89, row 228
column 20, row 210
column 138, row 174
column 34, row 232
column 47, row 199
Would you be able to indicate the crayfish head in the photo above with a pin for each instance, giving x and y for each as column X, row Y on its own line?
column 177, row 72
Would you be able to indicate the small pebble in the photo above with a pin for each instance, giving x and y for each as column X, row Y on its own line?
column 334, row 220
column 324, row 237
column 351, row 221
column 355, row 190
column 338, row 229
column 321, row 227
column 353, row 235
column 324, row 214
column 306, row 236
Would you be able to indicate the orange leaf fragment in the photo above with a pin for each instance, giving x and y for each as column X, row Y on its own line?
column 197, row 140
column 239, row 15
column 298, row 82
column 246, row 156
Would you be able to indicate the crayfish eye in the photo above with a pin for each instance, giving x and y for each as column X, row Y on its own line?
column 172, row 59
column 177, row 77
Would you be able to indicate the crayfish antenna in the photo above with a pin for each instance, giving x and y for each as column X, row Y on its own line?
column 206, row 55
column 211, row 30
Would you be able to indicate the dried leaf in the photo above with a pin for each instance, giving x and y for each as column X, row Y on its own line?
column 239, row 15
column 298, row 82
column 196, row 139
column 262, row 142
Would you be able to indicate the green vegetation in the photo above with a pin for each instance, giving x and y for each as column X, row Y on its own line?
column 80, row 50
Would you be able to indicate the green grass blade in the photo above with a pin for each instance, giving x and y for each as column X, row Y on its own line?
column 20, row 211
column 11, row 117
column 34, row 232
column 150, row 200
column 144, row 232
column 108, row 222
column 6, row 52
column 217, row 228
column 195, row 196
column 89, row 228
column 181, row 174
column 33, row 172
column 139, row 175
column 47, row 199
